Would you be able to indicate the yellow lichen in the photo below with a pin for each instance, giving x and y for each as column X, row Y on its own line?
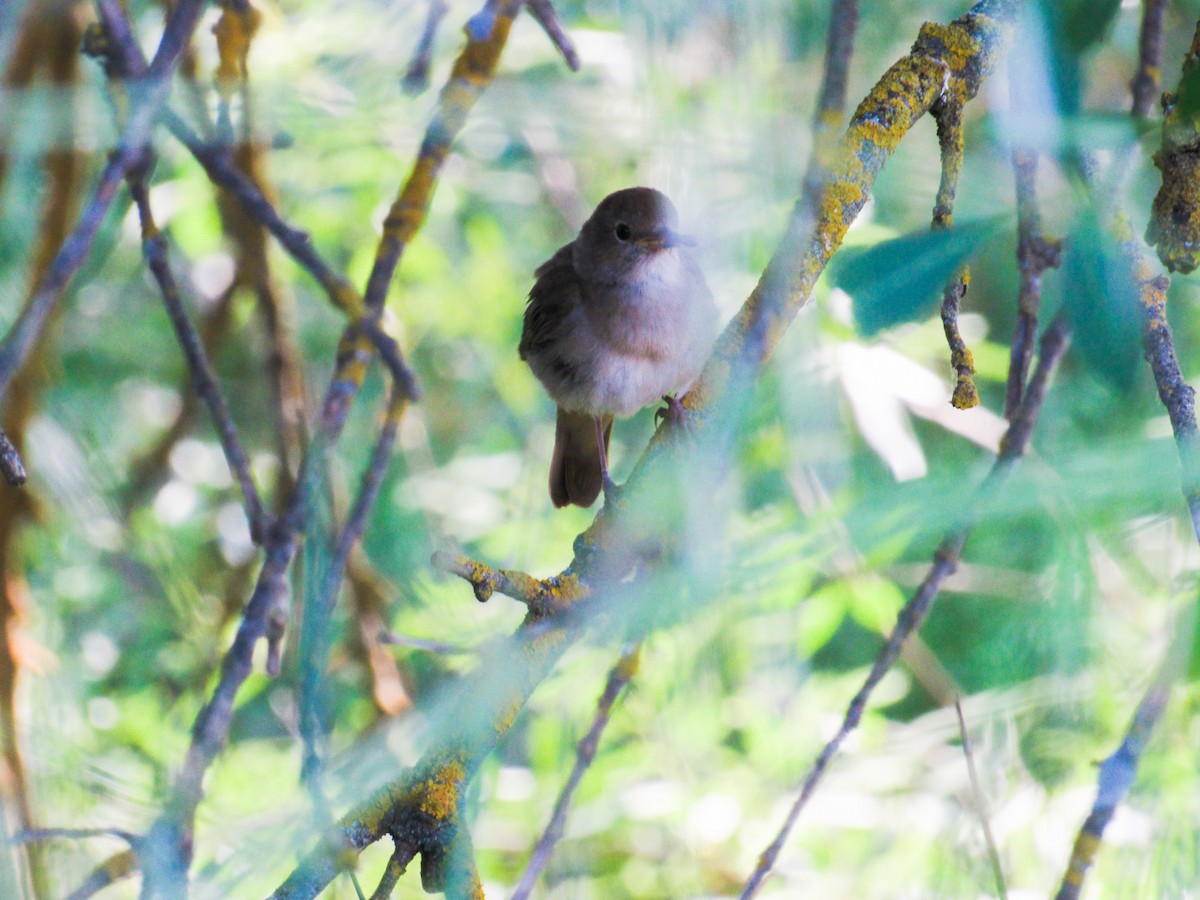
column 439, row 794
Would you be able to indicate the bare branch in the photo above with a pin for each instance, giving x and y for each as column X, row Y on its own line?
column 154, row 246
column 619, row 676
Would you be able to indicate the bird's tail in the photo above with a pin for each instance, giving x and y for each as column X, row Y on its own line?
column 575, row 475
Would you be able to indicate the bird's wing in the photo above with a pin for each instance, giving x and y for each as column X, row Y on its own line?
column 554, row 294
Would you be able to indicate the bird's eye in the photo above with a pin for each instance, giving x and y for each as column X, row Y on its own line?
column 623, row 231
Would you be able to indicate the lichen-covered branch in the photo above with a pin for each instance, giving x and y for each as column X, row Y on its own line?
column 542, row 595
column 1174, row 227
column 948, row 112
column 962, row 51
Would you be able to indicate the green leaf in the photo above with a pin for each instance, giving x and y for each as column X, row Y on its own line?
column 896, row 281
column 1101, row 298
column 1187, row 98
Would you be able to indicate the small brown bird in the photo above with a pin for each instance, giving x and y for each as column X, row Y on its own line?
column 617, row 319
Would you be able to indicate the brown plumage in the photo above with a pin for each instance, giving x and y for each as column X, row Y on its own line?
column 617, row 319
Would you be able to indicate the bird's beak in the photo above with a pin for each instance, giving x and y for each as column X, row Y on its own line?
column 664, row 238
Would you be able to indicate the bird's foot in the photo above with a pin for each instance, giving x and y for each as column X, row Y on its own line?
column 610, row 489
column 674, row 413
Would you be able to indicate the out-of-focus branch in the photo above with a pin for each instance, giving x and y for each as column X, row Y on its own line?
column 543, row 11
column 831, row 105
column 1174, row 227
column 151, row 94
column 605, row 553
column 117, row 867
column 618, row 677
column 416, row 79
column 1147, row 81
column 913, row 614
column 46, row 48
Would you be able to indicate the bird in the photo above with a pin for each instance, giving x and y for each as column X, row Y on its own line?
column 616, row 320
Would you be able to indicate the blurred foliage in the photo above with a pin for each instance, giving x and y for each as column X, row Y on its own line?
column 849, row 468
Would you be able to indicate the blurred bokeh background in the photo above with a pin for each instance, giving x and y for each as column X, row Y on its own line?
column 850, row 466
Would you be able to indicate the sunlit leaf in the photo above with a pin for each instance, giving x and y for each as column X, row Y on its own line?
column 897, row 281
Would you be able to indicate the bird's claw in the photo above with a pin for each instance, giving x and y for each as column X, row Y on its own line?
column 674, row 412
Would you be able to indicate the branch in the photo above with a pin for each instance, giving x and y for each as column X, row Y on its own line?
column 618, row 677
column 170, row 837
column 1035, row 254
column 913, row 614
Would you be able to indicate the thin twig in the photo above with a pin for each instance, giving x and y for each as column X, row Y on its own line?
column 619, row 676
column 1016, row 440
column 397, row 865
column 154, row 246
column 981, row 806
column 149, row 100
